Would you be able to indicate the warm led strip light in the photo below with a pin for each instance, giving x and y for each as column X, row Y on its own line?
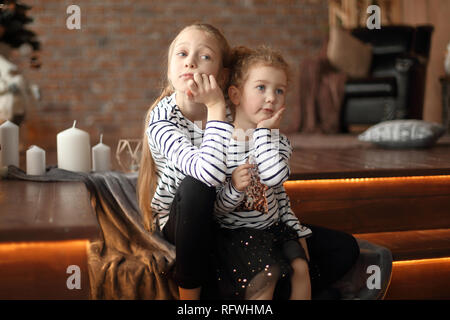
column 422, row 261
column 11, row 247
column 293, row 183
column 355, row 180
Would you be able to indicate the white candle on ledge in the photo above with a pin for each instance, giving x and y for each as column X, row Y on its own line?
column 73, row 150
column 101, row 156
column 35, row 161
column 9, row 143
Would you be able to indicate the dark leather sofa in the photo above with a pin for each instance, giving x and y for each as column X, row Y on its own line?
column 396, row 85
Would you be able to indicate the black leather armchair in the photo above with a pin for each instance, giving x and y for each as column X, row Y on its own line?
column 396, row 86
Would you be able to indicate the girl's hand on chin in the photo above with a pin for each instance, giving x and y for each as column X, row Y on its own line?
column 272, row 122
column 189, row 95
column 204, row 89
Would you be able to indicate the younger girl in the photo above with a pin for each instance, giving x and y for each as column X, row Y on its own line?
column 182, row 162
column 260, row 240
column 261, row 248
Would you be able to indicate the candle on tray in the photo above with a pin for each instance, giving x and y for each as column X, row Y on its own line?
column 73, row 150
column 35, row 161
column 9, row 143
column 101, row 156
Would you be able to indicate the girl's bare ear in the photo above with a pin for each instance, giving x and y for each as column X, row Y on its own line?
column 234, row 94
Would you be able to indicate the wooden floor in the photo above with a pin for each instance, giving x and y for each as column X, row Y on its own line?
column 405, row 209
column 325, row 157
column 46, row 211
column 410, row 216
column 45, row 227
column 414, row 244
column 343, row 156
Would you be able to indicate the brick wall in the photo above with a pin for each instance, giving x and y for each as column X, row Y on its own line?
column 106, row 75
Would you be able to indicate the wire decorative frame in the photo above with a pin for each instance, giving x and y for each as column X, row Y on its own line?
column 128, row 154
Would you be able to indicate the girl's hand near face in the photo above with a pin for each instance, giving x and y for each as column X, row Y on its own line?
column 204, row 89
column 272, row 122
column 241, row 176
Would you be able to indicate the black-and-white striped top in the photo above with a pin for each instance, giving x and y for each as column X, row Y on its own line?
column 179, row 147
column 272, row 152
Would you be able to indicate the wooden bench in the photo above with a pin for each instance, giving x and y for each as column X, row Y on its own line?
column 398, row 199
column 45, row 227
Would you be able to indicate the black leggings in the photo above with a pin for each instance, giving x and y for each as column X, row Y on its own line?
column 332, row 254
column 189, row 228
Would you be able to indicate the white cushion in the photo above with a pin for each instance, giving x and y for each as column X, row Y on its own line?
column 403, row 134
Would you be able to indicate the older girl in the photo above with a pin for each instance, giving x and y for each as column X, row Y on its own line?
column 183, row 159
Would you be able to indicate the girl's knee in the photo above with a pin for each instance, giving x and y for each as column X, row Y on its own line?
column 345, row 247
column 300, row 268
column 195, row 189
column 352, row 250
column 195, row 204
column 348, row 254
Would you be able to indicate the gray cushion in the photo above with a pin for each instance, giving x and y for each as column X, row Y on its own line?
column 403, row 134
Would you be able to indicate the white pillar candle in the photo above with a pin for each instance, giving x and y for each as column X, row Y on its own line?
column 9, row 141
column 74, row 150
column 35, row 161
column 101, row 156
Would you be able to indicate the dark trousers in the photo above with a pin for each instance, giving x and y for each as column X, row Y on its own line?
column 332, row 254
column 189, row 228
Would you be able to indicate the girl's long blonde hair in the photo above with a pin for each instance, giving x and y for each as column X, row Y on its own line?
column 147, row 179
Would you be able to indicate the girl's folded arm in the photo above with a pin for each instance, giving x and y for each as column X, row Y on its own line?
column 273, row 151
column 207, row 162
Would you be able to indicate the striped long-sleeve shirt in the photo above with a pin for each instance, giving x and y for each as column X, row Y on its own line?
column 179, row 148
column 272, row 152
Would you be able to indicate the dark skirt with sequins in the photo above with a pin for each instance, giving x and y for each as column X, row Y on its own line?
column 247, row 261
